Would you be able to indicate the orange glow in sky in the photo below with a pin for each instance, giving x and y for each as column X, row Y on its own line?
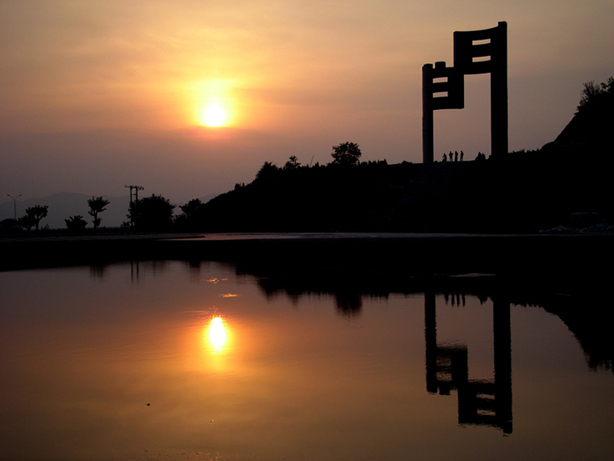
column 214, row 103
column 189, row 98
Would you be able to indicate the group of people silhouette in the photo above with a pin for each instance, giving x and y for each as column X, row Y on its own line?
column 455, row 156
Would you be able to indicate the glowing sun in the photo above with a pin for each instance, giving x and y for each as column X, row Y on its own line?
column 214, row 115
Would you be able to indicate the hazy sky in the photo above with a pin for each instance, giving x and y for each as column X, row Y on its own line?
column 96, row 95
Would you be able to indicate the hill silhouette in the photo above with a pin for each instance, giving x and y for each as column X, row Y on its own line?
column 518, row 192
column 592, row 124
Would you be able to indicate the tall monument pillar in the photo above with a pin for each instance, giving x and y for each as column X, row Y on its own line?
column 442, row 88
column 475, row 52
column 483, row 52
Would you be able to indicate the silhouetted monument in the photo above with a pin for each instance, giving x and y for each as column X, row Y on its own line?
column 475, row 52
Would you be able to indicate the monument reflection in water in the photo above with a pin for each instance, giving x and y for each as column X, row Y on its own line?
column 176, row 361
column 480, row 401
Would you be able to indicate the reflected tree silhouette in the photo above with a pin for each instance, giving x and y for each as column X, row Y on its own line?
column 581, row 313
column 587, row 324
column 349, row 304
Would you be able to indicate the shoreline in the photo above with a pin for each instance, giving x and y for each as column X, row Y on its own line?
column 559, row 259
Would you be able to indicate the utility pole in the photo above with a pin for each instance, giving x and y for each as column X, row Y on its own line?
column 134, row 192
column 14, row 205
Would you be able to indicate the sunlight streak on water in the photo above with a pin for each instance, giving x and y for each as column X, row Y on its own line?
column 217, row 335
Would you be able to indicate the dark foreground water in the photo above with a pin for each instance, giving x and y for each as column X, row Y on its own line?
column 165, row 361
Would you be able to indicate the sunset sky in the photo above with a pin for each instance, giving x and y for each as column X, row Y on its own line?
column 96, row 95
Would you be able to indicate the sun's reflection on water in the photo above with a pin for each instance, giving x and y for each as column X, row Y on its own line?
column 217, row 335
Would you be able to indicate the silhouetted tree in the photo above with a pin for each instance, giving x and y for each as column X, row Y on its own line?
column 267, row 171
column 27, row 222
column 97, row 205
column 76, row 223
column 191, row 208
column 153, row 213
column 596, row 92
column 292, row 163
column 591, row 126
column 346, row 154
column 33, row 216
column 191, row 212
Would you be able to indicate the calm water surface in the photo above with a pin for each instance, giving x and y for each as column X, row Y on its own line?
column 169, row 361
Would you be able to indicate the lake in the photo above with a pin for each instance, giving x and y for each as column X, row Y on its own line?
column 171, row 360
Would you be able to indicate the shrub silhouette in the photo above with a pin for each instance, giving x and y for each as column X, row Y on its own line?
column 33, row 216
column 153, row 213
column 97, row 205
column 75, row 223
